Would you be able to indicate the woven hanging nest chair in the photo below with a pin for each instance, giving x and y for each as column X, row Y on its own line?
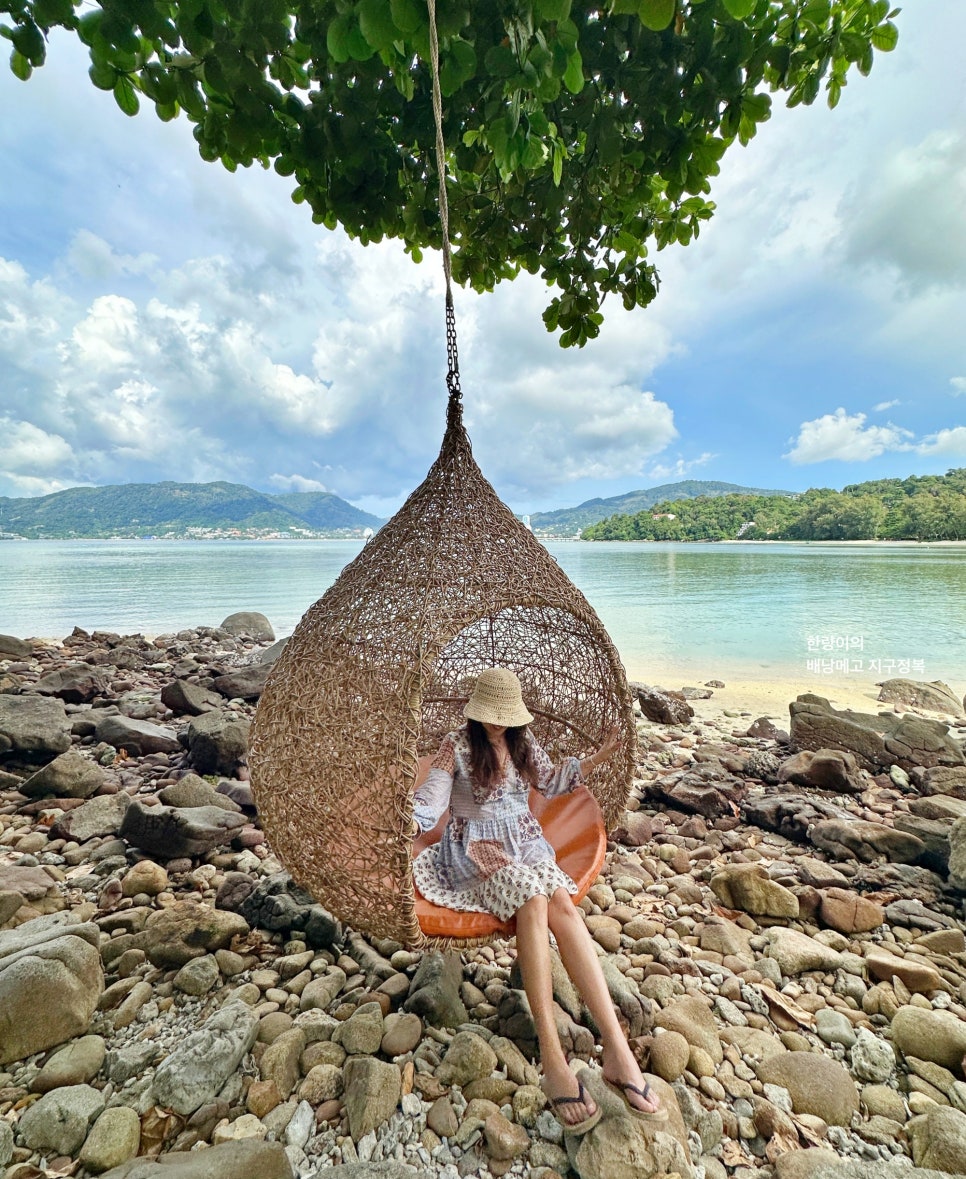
column 378, row 671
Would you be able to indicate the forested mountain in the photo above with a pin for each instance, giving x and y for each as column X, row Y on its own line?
column 922, row 507
column 179, row 509
column 569, row 521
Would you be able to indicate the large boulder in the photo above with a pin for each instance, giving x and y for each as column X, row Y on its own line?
column 846, row 839
column 878, row 741
column 824, row 769
column 69, row 776
column 103, row 815
column 217, row 741
column 935, row 696
column 33, row 725
column 184, row 930
column 663, row 706
column 182, row 697
column 78, row 683
column 51, row 979
column 58, row 1123
column 957, row 855
column 245, row 1159
column 14, row 648
column 938, row 1140
column 817, row 1085
column 243, row 683
column 747, row 887
column 173, row 833
column 937, row 1036
column 251, row 624
column 138, row 737
column 197, row 1069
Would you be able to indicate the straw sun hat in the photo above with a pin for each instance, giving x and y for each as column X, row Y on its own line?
column 497, row 699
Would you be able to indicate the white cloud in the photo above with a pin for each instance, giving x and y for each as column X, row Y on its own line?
column 845, row 437
column 296, row 483
column 91, row 256
column 680, row 469
column 884, row 405
column 958, row 384
column 26, row 450
column 951, row 441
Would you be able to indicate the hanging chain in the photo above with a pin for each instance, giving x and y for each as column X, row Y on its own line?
column 453, row 409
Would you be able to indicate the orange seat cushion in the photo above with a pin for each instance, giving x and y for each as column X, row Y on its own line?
column 574, row 827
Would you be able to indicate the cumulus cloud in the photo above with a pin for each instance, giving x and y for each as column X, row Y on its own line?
column 958, row 385
column 884, row 405
column 680, row 469
column 845, row 436
column 945, row 442
column 296, row 483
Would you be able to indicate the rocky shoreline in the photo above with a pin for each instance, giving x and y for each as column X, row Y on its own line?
column 780, row 918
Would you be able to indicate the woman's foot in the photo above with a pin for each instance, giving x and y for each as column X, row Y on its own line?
column 559, row 1085
column 622, row 1071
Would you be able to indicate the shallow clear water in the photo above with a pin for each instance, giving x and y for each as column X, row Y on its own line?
column 700, row 610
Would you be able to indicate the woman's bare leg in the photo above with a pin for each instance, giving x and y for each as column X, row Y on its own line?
column 579, row 955
column 533, row 954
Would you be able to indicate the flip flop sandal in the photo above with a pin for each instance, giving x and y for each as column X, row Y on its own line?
column 581, row 1098
column 656, row 1117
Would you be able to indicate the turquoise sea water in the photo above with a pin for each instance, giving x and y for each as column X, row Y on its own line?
column 687, row 612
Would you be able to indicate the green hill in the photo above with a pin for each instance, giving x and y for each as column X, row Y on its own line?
column 179, row 509
column 926, row 507
column 570, row 521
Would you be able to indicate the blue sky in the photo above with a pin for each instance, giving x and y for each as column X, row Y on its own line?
column 163, row 319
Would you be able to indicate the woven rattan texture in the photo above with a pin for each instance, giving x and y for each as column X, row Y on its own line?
column 379, row 669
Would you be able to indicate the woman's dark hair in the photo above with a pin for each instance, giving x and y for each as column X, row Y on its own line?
column 484, row 765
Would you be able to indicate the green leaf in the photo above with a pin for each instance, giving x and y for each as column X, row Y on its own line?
column 740, row 9
column 407, row 15
column 656, row 14
column 376, row 24
column 20, row 66
column 125, row 96
column 885, row 37
column 548, row 10
column 103, row 75
column 574, row 77
column 337, row 38
column 29, row 41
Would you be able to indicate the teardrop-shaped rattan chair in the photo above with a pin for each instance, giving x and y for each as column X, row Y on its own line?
column 378, row 671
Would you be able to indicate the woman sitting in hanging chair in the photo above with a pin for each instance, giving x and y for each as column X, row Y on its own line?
column 493, row 858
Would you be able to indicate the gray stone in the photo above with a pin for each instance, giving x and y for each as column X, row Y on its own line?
column 957, row 855
column 75, row 1064
column 270, row 654
column 78, row 683
column 51, row 979
column 33, row 725
column 873, row 1059
column 59, row 1121
column 198, row 976
column 834, row 1028
column 189, row 699
column 662, row 706
column 103, row 815
column 13, row 648
column 193, row 791
column 182, row 931
column 817, row 1085
column 245, row 1159
column 468, row 1058
column 138, row 737
column 362, row 1032
column 71, row 775
column 796, row 952
column 114, row 1138
column 372, row 1092
column 934, row 696
column 217, row 741
column 857, row 838
column 197, row 1069
column 243, row 683
column 6, row 1142
column 173, row 833
column 938, row 1036
column 435, row 991
column 938, row 1140
column 250, row 623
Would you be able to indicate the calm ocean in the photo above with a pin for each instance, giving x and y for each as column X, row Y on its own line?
column 687, row 612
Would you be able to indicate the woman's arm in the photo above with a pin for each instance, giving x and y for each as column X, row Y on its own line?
column 571, row 771
column 612, row 743
column 432, row 798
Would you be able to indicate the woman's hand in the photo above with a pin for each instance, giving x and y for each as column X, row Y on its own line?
column 612, row 742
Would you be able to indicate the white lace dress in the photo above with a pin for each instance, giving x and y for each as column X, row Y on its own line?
column 492, row 856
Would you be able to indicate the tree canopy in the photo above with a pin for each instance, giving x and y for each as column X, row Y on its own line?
column 580, row 136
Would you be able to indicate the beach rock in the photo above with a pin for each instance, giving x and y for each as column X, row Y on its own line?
column 362, row 1032
column 103, row 815
column 50, row 982
column 670, row 1053
column 372, row 1092
column 957, row 855
column 791, row 815
column 797, row 953
column 78, row 683
column 14, row 648
column 197, row 1069
column 249, row 1158
column 6, row 1143
column 690, row 1017
column 934, row 834
column 34, row 725
column 243, row 683
column 59, row 1121
column 938, row 1036
column 185, row 699
column 114, row 1138
column 434, row 993
column 249, row 623
column 747, row 887
column 75, row 1064
column 817, row 1085
column 137, row 737
column 916, row 976
column 217, row 741
column 944, row 780
column 198, row 976
column 878, row 741
column 280, row 1061
column 824, row 769
column 193, row 791
column 934, row 696
column 71, row 775
column 938, row 1140
column 635, row 829
column 848, row 912
column 173, row 833
column 859, row 839
column 184, row 930
column 468, row 1058
column 873, row 1060
column 145, row 877
column 667, row 708
column 270, row 654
